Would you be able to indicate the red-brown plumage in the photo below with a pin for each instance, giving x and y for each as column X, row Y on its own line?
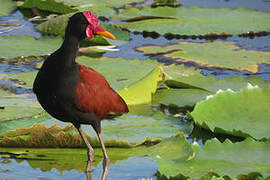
column 94, row 94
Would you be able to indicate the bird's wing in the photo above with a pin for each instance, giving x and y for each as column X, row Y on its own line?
column 94, row 94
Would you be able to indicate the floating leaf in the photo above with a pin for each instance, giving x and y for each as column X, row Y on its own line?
column 135, row 128
column 48, row 5
column 177, row 159
column 112, row 3
column 125, row 131
column 243, row 113
column 170, row 3
column 186, row 86
column 214, row 54
column 26, row 78
column 39, row 136
column 179, row 97
column 194, row 20
column 7, row 6
column 12, row 113
column 141, row 92
column 27, row 46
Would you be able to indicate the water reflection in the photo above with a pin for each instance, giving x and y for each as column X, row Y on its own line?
column 130, row 169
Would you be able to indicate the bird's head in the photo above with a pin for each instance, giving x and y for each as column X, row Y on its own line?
column 85, row 24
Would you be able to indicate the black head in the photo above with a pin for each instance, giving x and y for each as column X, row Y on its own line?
column 77, row 26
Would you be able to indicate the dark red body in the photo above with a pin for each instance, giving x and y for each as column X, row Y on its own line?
column 94, row 94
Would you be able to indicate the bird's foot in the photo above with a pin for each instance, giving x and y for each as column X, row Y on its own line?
column 90, row 160
column 88, row 166
column 106, row 166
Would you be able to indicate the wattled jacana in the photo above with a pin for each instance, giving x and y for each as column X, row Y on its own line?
column 71, row 92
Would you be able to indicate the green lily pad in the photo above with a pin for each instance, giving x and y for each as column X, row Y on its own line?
column 243, row 113
column 187, row 86
column 48, row 5
column 27, row 46
column 188, row 77
column 194, row 20
column 12, row 113
column 25, row 79
column 179, row 97
column 39, row 136
column 225, row 55
column 7, row 6
column 112, row 3
column 135, row 128
column 125, row 132
column 177, row 158
column 141, row 92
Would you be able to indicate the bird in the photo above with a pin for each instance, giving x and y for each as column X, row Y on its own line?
column 71, row 92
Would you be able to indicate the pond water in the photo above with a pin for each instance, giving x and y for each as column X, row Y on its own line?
column 139, row 167
column 130, row 169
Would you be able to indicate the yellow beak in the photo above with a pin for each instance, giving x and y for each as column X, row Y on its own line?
column 106, row 34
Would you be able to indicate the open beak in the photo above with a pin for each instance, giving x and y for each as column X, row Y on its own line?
column 106, row 34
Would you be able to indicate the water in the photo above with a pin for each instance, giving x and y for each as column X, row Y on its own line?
column 131, row 169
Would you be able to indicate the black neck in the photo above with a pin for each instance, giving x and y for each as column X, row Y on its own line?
column 69, row 49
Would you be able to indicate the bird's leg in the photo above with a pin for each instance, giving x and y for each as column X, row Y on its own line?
column 90, row 150
column 106, row 160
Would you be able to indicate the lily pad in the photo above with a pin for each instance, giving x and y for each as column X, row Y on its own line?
column 141, row 92
column 178, row 158
column 179, row 97
column 39, row 136
column 126, row 131
column 188, row 77
column 214, row 54
column 243, row 113
column 194, row 20
column 26, row 79
column 187, row 86
column 7, row 6
column 27, row 46
column 12, row 113
column 113, row 3
column 135, row 128
column 48, row 5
